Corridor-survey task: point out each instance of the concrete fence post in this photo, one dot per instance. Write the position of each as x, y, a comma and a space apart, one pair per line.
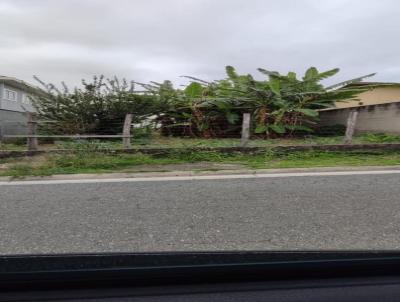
1, 132
126, 132
351, 125
32, 142
245, 130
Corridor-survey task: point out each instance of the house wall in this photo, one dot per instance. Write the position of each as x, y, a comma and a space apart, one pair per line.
372, 118
379, 95
12, 122
13, 119
1, 92
18, 104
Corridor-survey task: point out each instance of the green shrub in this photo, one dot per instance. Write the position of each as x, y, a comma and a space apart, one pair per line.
380, 138
143, 133
18, 141
98, 106
87, 146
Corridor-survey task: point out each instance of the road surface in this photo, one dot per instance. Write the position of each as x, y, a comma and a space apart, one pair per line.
257, 213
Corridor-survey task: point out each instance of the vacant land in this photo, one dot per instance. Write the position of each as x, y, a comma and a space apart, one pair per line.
90, 156
85, 161
156, 141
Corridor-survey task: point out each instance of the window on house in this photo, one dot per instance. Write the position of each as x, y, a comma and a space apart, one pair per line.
10, 95
26, 99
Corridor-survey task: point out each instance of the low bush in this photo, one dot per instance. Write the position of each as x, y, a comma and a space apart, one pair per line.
380, 138
97, 162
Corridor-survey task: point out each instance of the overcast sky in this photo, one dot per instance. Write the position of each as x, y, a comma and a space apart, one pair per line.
147, 40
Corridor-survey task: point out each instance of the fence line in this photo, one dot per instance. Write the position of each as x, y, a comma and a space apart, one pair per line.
126, 140
32, 137
245, 130
67, 136
351, 125
240, 136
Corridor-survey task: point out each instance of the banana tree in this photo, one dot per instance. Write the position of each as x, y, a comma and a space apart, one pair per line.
279, 104
283, 103
182, 112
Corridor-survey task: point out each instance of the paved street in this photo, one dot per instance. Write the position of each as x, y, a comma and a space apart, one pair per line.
303, 212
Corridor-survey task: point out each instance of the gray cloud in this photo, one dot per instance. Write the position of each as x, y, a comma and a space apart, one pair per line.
155, 40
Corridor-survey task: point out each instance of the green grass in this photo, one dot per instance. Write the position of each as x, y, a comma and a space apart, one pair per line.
332, 159
12, 147
378, 138
175, 142
83, 163
95, 162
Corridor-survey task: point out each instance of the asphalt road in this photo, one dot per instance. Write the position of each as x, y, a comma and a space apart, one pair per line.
309, 212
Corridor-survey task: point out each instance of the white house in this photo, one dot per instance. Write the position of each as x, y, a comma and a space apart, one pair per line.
14, 103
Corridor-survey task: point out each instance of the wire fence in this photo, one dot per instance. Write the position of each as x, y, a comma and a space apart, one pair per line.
29, 132
35, 134
39, 134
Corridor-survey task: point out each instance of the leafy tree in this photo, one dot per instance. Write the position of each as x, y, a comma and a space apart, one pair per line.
279, 104
182, 112
283, 103
98, 107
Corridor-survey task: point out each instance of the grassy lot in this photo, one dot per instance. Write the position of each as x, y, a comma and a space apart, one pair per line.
95, 162
173, 142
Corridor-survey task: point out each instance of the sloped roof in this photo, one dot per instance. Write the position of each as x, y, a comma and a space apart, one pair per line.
21, 84
356, 103
376, 84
